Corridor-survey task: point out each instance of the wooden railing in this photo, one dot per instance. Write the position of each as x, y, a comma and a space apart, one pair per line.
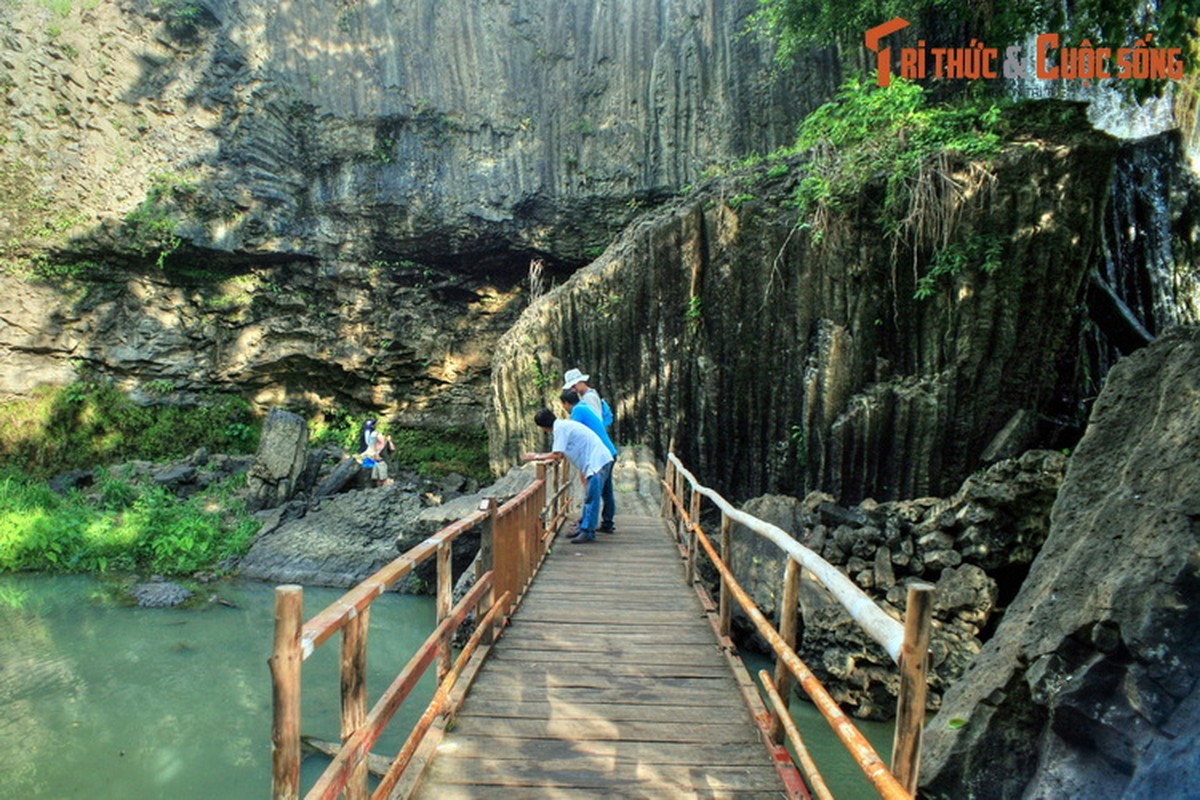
513, 541
907, 644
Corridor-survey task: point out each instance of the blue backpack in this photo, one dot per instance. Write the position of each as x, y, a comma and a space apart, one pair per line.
606, 415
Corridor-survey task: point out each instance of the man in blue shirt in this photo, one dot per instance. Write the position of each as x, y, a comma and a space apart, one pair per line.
583, 448
582, 412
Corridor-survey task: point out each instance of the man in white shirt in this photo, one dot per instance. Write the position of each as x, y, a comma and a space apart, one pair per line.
583, 448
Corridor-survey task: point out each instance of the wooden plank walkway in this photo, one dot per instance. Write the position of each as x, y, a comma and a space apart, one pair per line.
608, 683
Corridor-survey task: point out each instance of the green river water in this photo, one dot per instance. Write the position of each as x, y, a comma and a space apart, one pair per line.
104, 702
107, 702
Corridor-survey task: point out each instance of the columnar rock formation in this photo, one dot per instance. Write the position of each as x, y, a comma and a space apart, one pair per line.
779, 362
352, 129
336, 203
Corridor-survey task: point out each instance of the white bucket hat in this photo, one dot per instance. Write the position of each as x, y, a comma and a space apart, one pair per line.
573, 377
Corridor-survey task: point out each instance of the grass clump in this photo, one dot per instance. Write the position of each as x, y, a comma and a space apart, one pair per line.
120, 526
913, 165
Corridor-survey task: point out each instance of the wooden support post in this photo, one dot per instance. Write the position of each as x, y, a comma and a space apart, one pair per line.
914, 669
724, 609
789, 599
668, 507
544, 510
445, 599
693, 546
354, 694
679, 510
487, 553
285, 662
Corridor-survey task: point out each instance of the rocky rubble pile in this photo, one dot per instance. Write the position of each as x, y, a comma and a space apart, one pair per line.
974, 546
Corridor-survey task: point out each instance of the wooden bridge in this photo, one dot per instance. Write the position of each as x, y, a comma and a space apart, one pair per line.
612, 678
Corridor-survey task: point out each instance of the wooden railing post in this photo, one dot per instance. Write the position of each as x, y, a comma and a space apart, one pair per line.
354, 694
285, 662
445, 600
914, 670
692, 545
789, 598
668, 508
679, 512
487, 554
546, 516
724, 608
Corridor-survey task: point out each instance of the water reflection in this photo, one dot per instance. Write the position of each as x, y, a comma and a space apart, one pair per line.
108, 702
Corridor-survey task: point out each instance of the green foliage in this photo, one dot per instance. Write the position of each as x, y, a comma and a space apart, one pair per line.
738, 200
60, 8
182, 16
982, 252
778, 170
541, 379
440, 452
151, 226
695, 309
91, 422
799, 437
895, 137
338, 428
122, 527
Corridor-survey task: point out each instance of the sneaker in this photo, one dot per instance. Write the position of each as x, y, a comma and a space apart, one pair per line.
583, 538
603, 529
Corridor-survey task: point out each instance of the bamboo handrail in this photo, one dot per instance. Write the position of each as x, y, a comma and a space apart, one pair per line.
354, 749
860, 749
912, 656
887, 632
401, 762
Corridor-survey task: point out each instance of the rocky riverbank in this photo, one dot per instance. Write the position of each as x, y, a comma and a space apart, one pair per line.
974, 546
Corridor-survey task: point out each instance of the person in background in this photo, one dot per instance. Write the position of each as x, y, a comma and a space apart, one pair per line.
366, 437
575, 379
580, 412
373, 457
584, 449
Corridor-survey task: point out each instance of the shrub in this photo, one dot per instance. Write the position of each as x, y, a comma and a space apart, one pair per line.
122, 527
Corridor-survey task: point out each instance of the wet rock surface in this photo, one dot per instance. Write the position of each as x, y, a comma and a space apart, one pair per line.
160, 594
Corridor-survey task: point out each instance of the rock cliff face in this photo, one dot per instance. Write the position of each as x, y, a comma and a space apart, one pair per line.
374, 178
1089, 687
409, 341
354, 129
777, 363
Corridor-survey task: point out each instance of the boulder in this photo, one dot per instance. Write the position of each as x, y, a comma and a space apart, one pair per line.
1089, 686
349, 535
160, 594
280, 460
72, 479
